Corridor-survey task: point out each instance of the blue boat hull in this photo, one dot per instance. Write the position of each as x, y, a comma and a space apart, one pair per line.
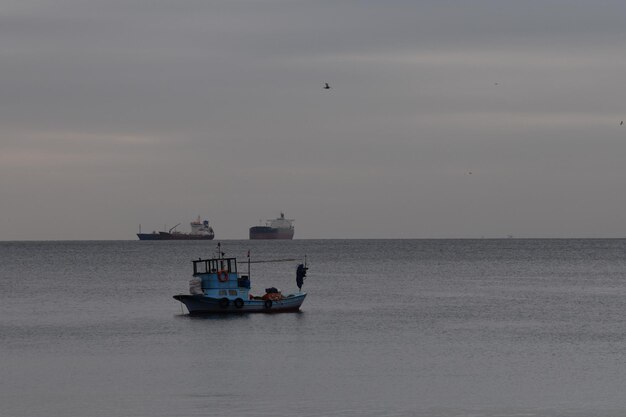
200, 304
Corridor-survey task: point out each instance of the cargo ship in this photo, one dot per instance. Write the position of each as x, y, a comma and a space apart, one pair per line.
200, 230
279, 228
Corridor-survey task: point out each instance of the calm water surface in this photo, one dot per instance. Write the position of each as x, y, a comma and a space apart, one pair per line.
390, 328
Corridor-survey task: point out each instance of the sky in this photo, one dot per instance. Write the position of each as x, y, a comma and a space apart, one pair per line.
446, 118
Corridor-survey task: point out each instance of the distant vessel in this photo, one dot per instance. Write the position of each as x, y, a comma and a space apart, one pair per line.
279, 228
200, 230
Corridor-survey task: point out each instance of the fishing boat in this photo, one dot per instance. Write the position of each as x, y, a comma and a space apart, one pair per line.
217, 287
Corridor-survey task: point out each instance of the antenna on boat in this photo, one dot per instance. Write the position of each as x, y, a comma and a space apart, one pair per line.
220, 254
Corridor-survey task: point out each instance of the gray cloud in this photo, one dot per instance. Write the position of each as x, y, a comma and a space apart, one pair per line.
125, 112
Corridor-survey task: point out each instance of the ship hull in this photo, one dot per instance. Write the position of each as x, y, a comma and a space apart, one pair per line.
265, 232
200, 304
148, 236
172, 236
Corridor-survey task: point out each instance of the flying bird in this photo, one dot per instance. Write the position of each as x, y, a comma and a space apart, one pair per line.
621, 123
326, 87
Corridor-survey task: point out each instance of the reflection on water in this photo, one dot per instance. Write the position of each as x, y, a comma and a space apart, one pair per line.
390, 328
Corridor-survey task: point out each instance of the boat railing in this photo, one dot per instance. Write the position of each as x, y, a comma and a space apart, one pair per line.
212, 266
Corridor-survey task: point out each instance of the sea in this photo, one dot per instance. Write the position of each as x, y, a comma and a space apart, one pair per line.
441, 328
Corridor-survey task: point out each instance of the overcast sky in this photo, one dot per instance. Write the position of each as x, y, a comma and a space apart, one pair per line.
445, 118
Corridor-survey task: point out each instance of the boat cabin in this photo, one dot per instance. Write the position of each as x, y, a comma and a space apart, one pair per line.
219, 278
207, 266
